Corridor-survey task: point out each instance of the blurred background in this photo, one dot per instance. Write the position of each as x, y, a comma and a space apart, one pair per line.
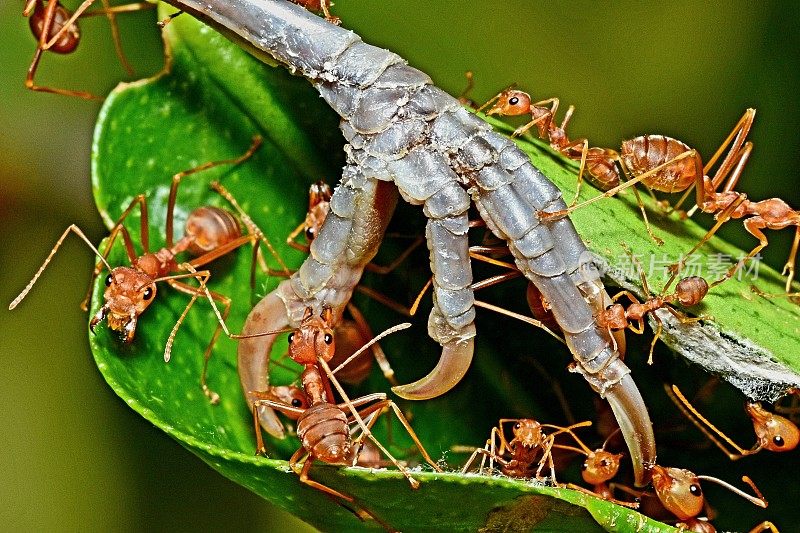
75, 457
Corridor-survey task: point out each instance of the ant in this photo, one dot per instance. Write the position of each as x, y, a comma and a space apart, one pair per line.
210, 233
523, 449
56, 30
353, 332
324, 427
668, 165
597, 162
679, 491
773, 432
689, 291
598, 468
317, 6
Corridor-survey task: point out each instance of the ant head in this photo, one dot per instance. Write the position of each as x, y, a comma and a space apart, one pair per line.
774, 432
68, 41
319, 197
510, 103
690, 291
600, 466
291, 395
313, 338
613, 317
128, 293
527, 432
319, 192
679, 491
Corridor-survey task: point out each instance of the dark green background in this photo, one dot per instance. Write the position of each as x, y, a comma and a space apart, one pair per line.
75, 457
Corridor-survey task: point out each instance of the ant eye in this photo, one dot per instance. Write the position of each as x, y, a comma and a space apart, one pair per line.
604, 462
609, 307
517, 425
291, 337
310, 234
584, 466
296, 402
778, 440
328, 338
513, 100
694, 488
109, 280
148, 293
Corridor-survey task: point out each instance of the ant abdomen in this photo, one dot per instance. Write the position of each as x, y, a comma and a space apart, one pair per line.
646, 152
68, 41
691, 290
323, 430
210, 228
602, 169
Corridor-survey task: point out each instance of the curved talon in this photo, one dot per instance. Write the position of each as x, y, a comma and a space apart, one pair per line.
634, 422
453, 364
253, 356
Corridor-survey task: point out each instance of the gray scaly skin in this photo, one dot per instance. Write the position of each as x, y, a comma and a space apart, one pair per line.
404, 130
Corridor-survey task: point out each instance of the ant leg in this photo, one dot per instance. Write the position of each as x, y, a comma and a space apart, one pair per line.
291, 238
176, 181
765, 526
736, 153
547, 117
485, 453
112, 21
788, 268
656, 336
463, 98
324, 365
31, 84
226, 305
706, 427
754, 226
619, 188
278, 406
722, 217
379, 269
584, 152
523, 318
251, 226
737, 157
377, 352
658, 240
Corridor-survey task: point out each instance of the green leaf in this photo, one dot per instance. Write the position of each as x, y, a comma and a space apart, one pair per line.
207, 108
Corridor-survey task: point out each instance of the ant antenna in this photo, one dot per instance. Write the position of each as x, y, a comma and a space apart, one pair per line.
393, 329
758, 499
72, 228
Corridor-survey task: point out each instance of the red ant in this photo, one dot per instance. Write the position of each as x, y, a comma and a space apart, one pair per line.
351, 333
598, 162
599, 467
324, 427
668, 165
56, 30
516, 457
773, 432
209, 233
689, 291
680, 493
318, 6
